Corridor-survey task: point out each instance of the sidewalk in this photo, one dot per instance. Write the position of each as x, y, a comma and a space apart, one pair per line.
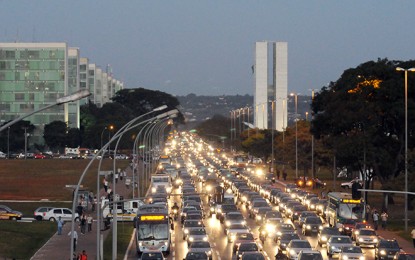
58, 246
406, 245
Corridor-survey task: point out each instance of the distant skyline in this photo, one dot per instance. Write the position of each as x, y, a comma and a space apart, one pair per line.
207, 47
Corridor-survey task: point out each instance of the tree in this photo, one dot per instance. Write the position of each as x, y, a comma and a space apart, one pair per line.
361, 118
55, 134
258, 142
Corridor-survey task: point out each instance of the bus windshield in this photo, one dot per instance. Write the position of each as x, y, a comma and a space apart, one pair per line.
350, 211
151, 231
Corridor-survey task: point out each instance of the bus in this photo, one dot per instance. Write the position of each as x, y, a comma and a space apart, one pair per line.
152, 228
342, 207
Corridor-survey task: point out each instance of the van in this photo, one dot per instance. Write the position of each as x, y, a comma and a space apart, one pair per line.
125, 210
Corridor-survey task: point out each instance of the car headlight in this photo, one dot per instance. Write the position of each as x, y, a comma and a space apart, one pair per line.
361, 258
140, 244
233, 237
209, 252
320, 227
243, 222
208, 188
324, 238
258, 217
308, 227
375, 240
292, 252
227, 223
219, 210
345, 257
153, 189
186, 231
191, 239
174, 211
382, 252
263, 232
360, 239
356, 232
205, 238
270, 228
212, 209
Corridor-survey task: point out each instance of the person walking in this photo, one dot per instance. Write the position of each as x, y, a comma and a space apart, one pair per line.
376, 219
89, 222
384, 218
105, 182
83, 224
60, 225
413, 236
75, 238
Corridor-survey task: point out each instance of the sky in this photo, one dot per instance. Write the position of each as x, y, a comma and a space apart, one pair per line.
207, 47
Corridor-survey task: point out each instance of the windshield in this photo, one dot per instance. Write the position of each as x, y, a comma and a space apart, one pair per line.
340, 240
366, 232
227, 200
352, 249
235, 216
312, 220
350, 211
289, 236
300, 244
389, 244
255, 256
312, 256
153, 231
229, 208
192, 223
196, 256
245, 236
197, 232
151, 256
273, 214
331, 231
248, 247
160, 179
260, 204
200, 244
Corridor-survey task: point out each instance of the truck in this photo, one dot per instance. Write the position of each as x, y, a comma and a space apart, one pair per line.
126, 210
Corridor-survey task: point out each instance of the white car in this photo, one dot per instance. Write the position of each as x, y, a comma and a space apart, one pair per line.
351, 252
235, 228
2, 155
349, 184
64, 213
335, 244
296, 246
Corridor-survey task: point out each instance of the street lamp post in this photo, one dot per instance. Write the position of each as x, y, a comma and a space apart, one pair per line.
272, 135
406, 142
102, 133
296, 133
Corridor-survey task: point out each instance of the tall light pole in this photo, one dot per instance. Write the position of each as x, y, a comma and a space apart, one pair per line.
406, 142
312, 138
102, 133
8, 142
25, 143
110, 128
296, 133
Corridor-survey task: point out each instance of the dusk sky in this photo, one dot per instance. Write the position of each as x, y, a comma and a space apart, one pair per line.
207, 47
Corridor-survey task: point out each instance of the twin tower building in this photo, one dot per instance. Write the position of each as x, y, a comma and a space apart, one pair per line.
270, 95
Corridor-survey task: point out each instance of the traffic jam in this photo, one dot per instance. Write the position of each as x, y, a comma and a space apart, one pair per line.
215, 207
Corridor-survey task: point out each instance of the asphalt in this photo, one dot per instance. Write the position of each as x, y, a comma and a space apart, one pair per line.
405, 245
58, 246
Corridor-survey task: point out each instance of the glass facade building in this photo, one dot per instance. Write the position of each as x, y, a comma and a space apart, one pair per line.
35, 75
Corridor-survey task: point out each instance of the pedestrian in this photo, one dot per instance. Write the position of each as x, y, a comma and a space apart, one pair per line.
83, 224
284, 176
116, 177
60, 225
367, 212
89, 220
413, 236
375, 219
384, 218
83, 256
93, 202
105, 182
75, 238
278, 174
80, 209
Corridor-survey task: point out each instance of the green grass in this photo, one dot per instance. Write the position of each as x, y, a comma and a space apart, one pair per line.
125, 231
21, 240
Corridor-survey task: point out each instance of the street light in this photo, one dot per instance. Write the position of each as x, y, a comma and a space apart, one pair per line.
406, 142
102, 133
70, 98
296, 134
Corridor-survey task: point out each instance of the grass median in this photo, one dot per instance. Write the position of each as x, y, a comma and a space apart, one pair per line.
125, 231
21, 240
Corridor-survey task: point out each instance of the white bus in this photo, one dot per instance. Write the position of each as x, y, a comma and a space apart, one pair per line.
341, 207
152, 226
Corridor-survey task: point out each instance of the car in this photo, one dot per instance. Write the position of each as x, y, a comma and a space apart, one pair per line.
366, 237
198, 234
241, 237
335, 243
252, 256
65, 214
283, 228
189, 225
41, 212
295, 247
234, 218
2, 155
347, 226
152, 255
201, 246
8, 213
311, 225
349, 184
39, 156
196, 256
310, 255
283, 241
325, 234
304, 215
233, 229
386, 249
404, 256
351, 252
358, 226
246, 247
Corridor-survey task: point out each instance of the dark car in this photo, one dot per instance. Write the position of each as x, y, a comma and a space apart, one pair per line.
404, 256
325, 234
196, 256
312, 225
246, 247
284, 240
386, 248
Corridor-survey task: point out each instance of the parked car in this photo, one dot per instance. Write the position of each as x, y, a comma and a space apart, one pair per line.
41, 212
349, 184
64, 213
8, 213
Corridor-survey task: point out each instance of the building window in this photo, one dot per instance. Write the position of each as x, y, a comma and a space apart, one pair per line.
19, 96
